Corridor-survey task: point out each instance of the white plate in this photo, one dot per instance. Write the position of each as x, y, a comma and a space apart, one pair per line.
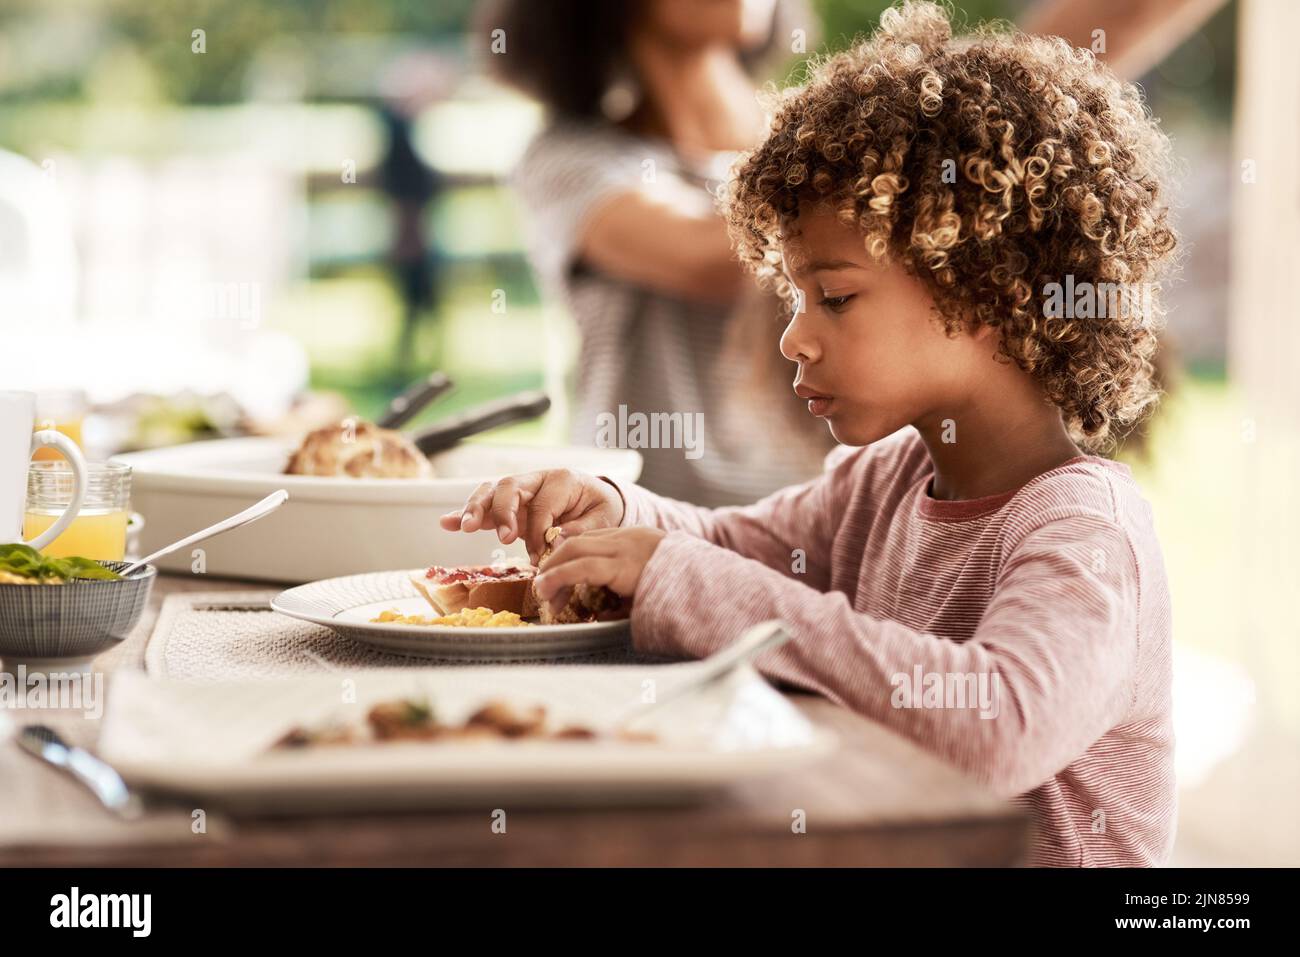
348, 604
212, 741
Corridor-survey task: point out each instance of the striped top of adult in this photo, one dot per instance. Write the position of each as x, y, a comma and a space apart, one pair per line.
644, 352
1051, 597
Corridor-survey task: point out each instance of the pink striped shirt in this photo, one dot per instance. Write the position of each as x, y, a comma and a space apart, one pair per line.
1023, 637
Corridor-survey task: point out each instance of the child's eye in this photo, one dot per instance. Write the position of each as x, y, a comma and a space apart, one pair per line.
836, 303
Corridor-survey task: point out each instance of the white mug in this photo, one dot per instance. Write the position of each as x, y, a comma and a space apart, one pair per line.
17, 446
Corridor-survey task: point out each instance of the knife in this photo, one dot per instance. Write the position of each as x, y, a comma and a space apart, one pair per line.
105, 783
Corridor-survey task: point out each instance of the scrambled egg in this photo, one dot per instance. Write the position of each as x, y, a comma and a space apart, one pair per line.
465, 618
9, 578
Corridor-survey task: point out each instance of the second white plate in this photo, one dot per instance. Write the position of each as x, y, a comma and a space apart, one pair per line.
212, 741
348, 604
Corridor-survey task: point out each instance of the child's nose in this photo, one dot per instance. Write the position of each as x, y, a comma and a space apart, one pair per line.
797, 344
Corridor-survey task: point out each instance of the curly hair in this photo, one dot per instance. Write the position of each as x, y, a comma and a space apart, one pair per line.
991, 167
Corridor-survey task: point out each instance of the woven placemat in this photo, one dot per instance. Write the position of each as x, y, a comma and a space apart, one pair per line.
233, 636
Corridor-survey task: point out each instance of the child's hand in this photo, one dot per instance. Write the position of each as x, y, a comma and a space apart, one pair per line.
525, 506
614, 557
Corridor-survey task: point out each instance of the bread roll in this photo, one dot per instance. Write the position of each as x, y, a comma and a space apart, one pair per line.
358, 449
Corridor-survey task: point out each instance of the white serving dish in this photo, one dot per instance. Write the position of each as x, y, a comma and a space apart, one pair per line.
330, 526
211, 741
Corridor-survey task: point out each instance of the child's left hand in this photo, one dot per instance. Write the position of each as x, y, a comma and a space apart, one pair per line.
614, 557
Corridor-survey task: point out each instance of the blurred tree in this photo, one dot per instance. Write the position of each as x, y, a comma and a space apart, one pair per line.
1205, 60
843, 20
233, 30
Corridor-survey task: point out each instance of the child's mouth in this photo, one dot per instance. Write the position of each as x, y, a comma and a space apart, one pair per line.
818, 404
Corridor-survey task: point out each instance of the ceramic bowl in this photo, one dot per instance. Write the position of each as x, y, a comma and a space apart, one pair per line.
62, 627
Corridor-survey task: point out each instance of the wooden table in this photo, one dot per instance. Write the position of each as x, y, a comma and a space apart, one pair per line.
878, 801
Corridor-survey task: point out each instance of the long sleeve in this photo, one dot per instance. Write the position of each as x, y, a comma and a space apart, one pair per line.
1056, 646
789, 531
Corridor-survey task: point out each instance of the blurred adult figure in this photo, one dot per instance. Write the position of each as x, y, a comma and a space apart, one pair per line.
411, 186
1137, 34
648, 102
404, 88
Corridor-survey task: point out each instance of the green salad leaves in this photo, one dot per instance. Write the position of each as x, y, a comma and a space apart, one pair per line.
27, 562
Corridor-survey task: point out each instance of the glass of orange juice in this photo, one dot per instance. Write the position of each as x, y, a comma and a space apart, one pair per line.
61, 410
99, 530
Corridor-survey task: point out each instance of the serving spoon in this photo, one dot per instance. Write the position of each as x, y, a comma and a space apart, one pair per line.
414, 400
251, 514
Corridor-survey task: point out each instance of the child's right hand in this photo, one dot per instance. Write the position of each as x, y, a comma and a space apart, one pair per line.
525, 506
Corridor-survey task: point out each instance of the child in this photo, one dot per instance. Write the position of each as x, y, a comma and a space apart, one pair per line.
971, 574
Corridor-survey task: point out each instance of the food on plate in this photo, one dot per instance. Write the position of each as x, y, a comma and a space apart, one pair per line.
495, 587
407, 718
24, 565
585, 602
465, 618
358, 449
147, 421
299, 737
410, 719
507, 588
